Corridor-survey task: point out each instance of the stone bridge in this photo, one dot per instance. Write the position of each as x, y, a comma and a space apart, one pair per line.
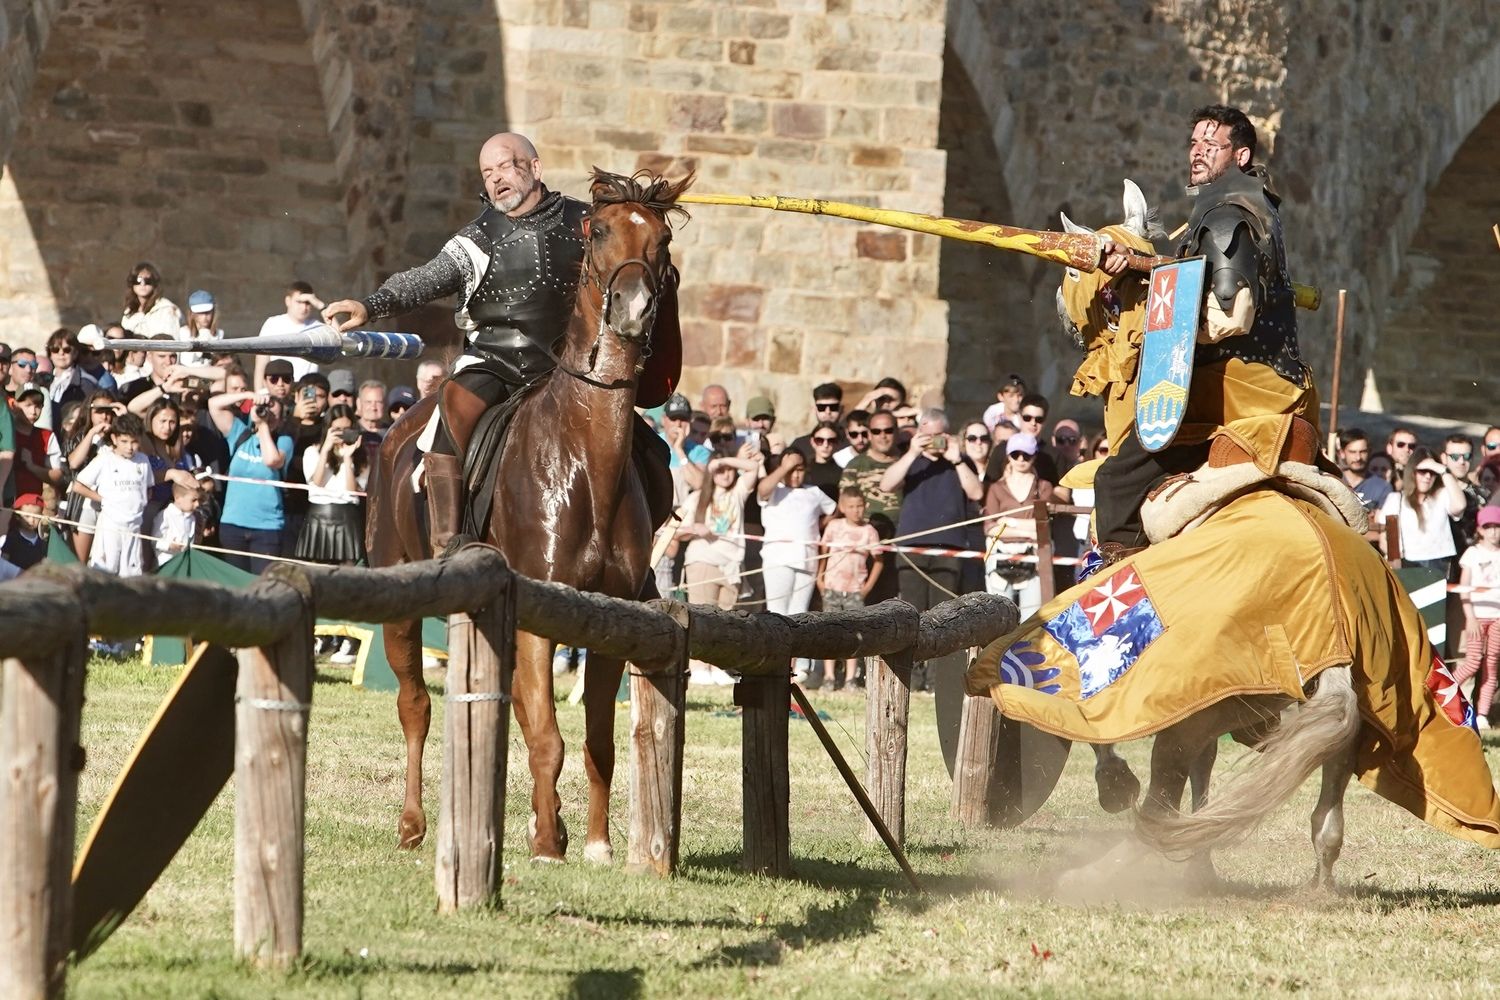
241, 145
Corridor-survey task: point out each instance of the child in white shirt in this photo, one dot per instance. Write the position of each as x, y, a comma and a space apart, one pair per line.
119, 478
1481, 573
176, 525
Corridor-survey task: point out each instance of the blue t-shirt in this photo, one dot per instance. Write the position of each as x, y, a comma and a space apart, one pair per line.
1372, 491
247, 505
698, 454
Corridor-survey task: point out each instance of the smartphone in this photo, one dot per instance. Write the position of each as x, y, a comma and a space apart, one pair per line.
197, 383
309, 393
349, 435
938, 443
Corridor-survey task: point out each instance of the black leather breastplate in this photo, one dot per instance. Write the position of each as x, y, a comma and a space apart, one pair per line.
1272, 339
522, 304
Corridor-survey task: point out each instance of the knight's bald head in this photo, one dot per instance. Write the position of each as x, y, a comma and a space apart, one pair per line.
507, 143
512, 173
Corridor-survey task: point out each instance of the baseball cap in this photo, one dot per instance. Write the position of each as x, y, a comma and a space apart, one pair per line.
200, 302
340, 380
760, 406
1022, 442
677, 407
1014, 382
1487, 516
4, 352
279, 366
26, 499
401, 395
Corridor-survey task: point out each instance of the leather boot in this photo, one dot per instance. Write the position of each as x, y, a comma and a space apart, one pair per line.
1113, 552
445, 500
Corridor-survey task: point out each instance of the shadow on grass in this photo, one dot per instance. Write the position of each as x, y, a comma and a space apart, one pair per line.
613, 984
825, 873
1390, 900
841, 921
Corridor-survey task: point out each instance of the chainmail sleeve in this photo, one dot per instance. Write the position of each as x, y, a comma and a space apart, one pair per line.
406, 290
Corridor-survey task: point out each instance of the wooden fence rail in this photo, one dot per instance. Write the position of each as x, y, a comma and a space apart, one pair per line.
50, 612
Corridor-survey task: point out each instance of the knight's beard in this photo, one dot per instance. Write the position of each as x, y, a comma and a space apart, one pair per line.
512, 201
1210, 174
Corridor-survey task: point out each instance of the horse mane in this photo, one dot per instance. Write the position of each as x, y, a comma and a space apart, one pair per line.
644, 187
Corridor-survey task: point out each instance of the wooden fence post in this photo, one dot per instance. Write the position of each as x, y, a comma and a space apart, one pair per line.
41, 701
765, 702
974, 763
887, 708
476, 741
1043, 515
658, 703
273, 695
1393, 541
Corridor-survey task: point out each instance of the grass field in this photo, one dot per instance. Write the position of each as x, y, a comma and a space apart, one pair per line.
1416, 915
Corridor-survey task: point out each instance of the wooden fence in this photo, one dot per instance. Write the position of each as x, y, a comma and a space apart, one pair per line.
50, 613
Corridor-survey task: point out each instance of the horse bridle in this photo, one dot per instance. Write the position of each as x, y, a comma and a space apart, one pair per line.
606, 287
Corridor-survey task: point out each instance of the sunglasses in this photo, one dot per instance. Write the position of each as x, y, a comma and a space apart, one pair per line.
825, 440
828, 406
976, 437
1020, 455
856, 435
278, 379
720, 438
65, 349
1065, 440
1491, 445
1403, 445
24, 364
146, 279
1032, 418
882, 431
1461, 456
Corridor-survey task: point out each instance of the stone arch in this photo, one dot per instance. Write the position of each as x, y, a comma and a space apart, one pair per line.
148, 135
1436, 353
984, 288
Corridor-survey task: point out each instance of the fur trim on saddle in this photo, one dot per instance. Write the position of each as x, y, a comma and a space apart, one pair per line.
1183, 502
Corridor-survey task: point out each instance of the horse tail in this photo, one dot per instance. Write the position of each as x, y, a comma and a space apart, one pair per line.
1322, 726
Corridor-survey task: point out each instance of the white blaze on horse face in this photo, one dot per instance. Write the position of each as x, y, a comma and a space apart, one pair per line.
636, 218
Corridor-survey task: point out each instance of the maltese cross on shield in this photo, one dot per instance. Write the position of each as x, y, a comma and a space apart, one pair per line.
1173, 303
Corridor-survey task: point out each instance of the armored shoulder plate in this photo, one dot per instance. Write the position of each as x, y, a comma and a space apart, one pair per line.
1227, 242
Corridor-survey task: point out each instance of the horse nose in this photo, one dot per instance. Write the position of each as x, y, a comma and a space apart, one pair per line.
631, 304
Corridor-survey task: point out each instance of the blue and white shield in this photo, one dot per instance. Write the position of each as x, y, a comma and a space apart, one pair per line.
1173, 305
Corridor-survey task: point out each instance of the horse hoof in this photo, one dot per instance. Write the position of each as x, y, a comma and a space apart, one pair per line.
410, 832
1118, 786
599, 853
541, 852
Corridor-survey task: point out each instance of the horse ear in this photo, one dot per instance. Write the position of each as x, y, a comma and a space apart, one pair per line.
1136, 209
1069, 226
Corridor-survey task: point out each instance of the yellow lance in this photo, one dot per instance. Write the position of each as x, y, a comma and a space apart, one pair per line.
1076, 250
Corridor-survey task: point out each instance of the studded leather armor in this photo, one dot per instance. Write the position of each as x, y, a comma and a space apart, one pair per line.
1236, 226
518, 278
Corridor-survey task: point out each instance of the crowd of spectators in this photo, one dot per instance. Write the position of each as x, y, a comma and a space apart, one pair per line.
133, 456
769, 520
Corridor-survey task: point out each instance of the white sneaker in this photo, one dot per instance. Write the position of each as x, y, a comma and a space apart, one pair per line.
345, 653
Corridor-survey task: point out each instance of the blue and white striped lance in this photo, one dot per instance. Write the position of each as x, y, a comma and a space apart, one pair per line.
322, 344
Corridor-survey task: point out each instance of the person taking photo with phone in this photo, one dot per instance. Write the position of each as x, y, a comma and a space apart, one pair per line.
337, 472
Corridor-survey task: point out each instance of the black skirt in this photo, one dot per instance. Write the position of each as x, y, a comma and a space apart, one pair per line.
333, 533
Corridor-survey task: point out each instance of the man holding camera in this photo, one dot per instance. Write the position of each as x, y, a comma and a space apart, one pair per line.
937, 483
254, 515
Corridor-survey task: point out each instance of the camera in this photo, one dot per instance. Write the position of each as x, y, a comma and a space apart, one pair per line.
196, 383
349, 435
201, 473
938, 443
264, 410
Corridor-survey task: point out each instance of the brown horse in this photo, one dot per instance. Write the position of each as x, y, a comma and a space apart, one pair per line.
570, 504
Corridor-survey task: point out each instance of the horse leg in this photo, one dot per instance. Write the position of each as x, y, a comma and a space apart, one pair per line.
1328, 817
600, 684
1179, 751
531, 695
1198, 773
1118, 786
403, 648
